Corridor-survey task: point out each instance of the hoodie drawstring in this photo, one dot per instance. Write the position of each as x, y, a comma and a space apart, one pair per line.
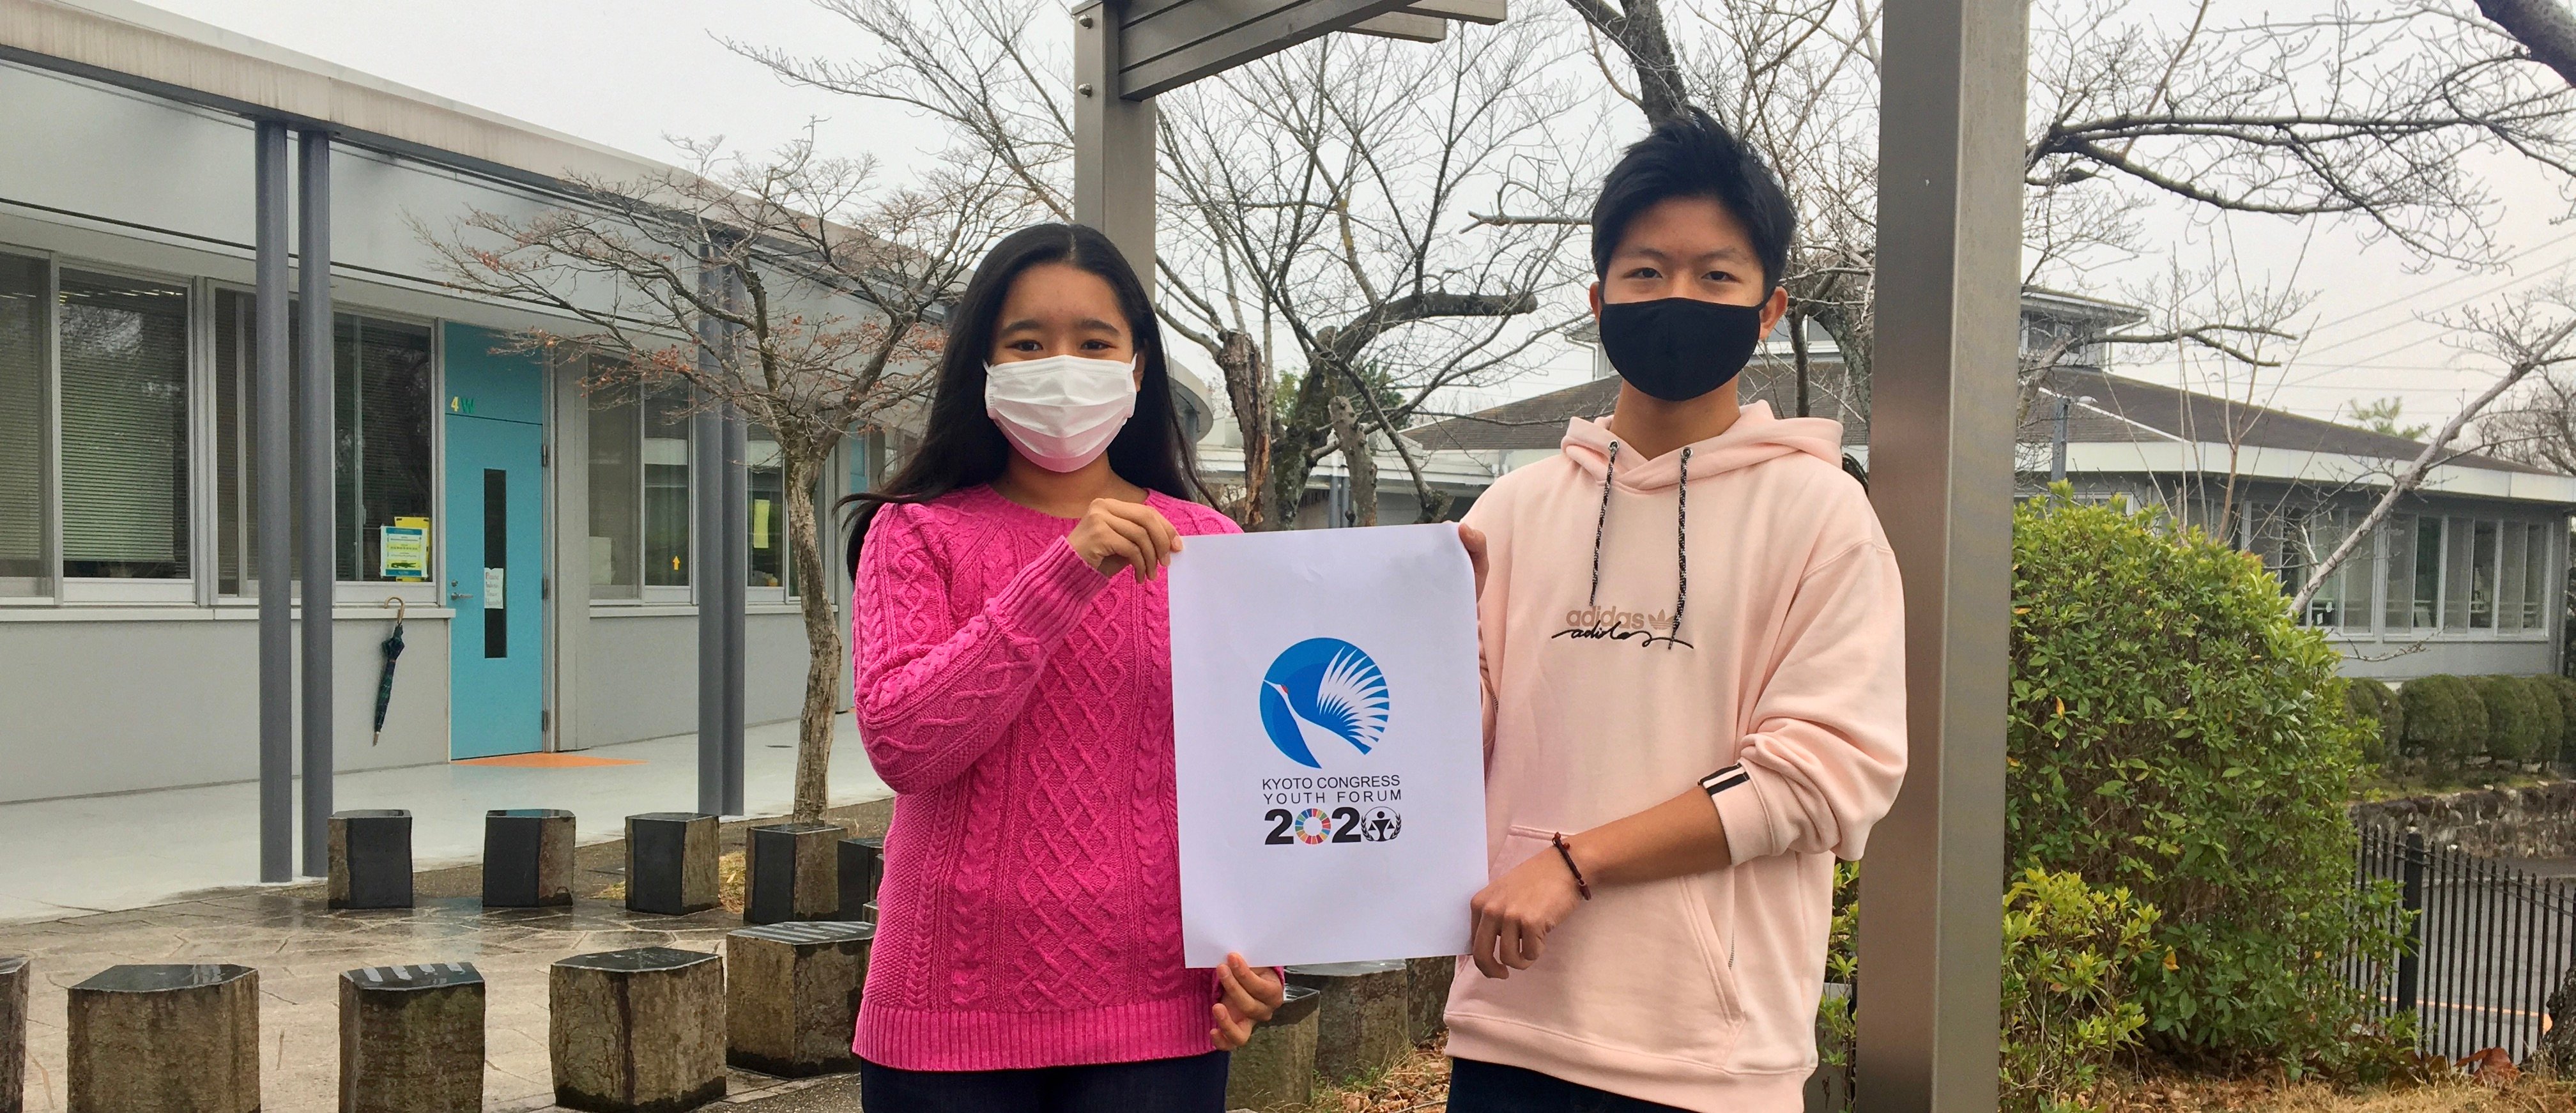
1681, 538
1681, 547
1607, 473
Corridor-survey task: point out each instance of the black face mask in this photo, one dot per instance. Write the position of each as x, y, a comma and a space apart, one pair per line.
1677, 349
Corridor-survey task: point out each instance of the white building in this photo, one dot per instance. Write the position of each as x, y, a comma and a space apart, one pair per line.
128, 577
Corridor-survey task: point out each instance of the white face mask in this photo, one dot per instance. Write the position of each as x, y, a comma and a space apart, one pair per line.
1061, 411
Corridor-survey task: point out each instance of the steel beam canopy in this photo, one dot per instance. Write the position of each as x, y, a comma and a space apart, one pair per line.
1165, 44
1949, 256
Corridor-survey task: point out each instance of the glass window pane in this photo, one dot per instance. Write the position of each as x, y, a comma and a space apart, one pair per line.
384, 458
767, 505
2482, 563
2509, 580
2538, 600
125, 427
666, 487
23, 417
2398, 611
2428, 573
2360, 571
616, 491
2456, 574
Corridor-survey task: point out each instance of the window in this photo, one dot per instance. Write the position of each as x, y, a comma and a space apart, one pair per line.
2536, 594
2509, 580
381, 373
766, 502
24, 409
2482, 575
124, 427
639, 488
666, 487
616, 492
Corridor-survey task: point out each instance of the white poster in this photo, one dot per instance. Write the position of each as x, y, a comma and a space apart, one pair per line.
1330, 745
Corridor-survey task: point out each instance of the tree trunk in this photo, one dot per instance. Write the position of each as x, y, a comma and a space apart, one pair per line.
1247, 385
2543, 27
1798, 354
1292, 454
824, 662
1356, 459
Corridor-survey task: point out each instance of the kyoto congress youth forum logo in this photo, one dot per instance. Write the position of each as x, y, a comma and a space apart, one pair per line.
1320, 696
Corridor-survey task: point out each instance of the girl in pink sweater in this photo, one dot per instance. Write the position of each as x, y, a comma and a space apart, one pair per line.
1013, 684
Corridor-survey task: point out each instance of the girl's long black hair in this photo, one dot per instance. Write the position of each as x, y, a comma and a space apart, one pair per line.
961, 447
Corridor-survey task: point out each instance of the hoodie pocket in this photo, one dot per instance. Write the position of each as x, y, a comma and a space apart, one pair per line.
1639, 967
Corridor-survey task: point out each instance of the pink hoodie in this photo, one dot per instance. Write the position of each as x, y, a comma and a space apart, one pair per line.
1741, 631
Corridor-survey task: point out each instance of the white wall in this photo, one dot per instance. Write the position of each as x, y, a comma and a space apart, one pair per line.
112, 706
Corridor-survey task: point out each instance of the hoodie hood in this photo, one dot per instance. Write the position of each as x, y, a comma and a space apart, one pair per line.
1755, 437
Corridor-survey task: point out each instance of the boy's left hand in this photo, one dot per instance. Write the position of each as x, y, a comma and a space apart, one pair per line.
1248, 997
1515, 913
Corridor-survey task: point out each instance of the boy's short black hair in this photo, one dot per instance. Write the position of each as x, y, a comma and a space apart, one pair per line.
1695, 157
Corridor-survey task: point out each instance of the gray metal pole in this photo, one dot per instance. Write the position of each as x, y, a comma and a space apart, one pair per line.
319, 444
276, 518
737, 579
706, 489
1949, 246
2057, 442
1113, 144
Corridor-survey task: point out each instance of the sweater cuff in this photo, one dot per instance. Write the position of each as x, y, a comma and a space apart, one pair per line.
1050, 596
1743, 813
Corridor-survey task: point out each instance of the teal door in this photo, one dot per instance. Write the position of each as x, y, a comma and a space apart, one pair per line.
494, 561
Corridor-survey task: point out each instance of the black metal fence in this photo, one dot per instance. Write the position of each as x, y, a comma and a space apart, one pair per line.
2490, 943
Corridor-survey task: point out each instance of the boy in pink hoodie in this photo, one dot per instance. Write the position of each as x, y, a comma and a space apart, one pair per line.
1693, 655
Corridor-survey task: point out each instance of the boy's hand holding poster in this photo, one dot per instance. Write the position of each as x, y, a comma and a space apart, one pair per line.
1330, 745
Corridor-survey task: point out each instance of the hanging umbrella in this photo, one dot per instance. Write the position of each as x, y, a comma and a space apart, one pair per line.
392, 648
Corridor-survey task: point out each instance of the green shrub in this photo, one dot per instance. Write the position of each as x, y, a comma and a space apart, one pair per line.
2564, 691
2445, 721
2070, 954
2377, 702
2553, 717
2172, 733
2513, 718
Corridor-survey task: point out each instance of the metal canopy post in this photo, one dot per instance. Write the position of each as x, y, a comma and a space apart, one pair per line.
318, 445
1949, 249
706, 489
735, 539
276, 517
1113, 139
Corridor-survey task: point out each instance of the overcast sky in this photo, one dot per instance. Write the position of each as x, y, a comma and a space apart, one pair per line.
630, 72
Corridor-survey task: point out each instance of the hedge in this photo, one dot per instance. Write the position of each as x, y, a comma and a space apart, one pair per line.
2513, 718
2445, 721
2377, 702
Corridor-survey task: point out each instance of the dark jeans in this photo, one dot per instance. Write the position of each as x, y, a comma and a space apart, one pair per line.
1195, 1084
1479, 1087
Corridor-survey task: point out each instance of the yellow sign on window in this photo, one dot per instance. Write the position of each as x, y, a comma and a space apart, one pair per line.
403, 550
760, 523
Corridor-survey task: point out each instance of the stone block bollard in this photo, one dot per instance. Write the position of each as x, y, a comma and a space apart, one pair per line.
671, 862
1277, 1068
527, 858
792, 996
411, 1039
164, 1039
640, 1031
1427, 997
792, 868
862, 870
1362, 1020
371, 859
13, 1033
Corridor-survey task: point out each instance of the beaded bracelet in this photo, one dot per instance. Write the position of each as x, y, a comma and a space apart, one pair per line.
1580, 885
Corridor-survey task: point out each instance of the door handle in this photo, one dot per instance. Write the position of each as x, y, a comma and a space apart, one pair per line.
454, 595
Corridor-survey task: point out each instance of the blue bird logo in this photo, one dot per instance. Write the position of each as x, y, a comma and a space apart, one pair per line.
1320, 694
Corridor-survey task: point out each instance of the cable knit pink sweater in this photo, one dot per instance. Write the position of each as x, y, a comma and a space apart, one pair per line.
1020, 705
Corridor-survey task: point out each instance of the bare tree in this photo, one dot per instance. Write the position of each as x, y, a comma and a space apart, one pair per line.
796, 290
2527, 335
1341, 251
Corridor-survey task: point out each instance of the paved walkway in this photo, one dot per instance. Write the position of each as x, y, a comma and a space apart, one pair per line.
129, 853
108, 853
